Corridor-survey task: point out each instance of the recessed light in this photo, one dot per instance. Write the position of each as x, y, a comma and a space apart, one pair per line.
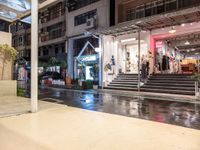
183, 25
173, 30
128, 40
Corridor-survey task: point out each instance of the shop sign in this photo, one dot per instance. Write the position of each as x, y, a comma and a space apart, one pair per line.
88, 58
159, 44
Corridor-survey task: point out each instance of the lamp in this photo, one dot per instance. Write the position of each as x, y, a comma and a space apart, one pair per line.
128, 40
187, 43
173, 30
97, 49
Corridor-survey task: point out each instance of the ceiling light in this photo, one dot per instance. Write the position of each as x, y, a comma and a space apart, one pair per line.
173, 30
187, 43
183, 25
196, 53
97, 49
128, 40
188, 51
193, 49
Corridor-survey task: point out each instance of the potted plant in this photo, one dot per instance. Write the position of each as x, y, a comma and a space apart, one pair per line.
95, 70
7, 54
197, 79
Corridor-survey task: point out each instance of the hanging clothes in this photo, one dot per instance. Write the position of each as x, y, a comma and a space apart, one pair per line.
165, 63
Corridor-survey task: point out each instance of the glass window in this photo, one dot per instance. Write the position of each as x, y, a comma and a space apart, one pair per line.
81, 19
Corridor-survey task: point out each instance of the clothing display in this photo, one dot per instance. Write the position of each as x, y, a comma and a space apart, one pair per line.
165, 63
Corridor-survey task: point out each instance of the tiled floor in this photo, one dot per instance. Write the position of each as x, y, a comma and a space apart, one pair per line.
12, 105
65, 128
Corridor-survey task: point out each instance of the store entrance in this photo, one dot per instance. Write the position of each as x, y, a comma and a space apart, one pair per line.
178, 55
131, 57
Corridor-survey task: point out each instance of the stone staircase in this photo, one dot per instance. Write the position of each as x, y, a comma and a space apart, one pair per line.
124, 82
170, 83
158, 83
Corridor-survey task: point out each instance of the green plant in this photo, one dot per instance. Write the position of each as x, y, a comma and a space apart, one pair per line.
196, 76
63, 64
88, 84
8, 53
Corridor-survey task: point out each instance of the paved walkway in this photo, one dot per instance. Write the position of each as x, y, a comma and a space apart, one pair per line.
60, 127
12, 105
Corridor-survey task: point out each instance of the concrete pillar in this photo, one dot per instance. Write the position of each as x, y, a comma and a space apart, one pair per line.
34, 56
101, 61
70, 58
139, 64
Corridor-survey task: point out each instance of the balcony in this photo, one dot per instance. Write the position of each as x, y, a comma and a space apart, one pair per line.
51, 22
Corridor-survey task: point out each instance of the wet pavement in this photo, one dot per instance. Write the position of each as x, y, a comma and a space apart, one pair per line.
164, 110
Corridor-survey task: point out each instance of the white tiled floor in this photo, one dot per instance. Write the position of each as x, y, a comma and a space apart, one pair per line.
64, 128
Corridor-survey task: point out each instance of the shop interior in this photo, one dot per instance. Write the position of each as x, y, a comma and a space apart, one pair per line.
178, 54
86, 59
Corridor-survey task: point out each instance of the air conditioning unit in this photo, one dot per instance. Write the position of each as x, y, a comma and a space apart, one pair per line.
91, 23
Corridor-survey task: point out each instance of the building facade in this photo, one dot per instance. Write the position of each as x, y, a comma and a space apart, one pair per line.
52, 33
85, 17
146, 21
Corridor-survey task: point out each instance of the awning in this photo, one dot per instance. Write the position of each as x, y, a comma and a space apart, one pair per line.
11, 10
154, 22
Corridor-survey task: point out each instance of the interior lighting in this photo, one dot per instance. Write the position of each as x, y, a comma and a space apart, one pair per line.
193, 50
97, 49
183, 25
173, 30
128, 40
187, 43
188, 51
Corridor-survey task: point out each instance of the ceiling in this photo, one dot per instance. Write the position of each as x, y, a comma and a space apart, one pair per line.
11, 10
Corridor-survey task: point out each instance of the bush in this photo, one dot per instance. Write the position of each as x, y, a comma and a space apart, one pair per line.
88, 84
21, 92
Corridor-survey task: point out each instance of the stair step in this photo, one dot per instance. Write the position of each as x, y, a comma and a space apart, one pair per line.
121, 88
169, 85
123, 85
168, 91
170, 88
183, 79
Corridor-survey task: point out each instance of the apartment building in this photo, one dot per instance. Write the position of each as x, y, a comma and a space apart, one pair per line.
84, 17
21, 38
127, 10
52, 33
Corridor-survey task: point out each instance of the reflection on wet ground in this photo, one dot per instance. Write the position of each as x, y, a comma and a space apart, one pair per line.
177, 113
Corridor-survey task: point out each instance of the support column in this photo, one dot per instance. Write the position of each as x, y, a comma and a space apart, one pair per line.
34, 56
101, 62
70, 58
139, 64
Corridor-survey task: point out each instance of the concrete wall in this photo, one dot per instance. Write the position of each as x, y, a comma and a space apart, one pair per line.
8, 88
102, 7
6, 38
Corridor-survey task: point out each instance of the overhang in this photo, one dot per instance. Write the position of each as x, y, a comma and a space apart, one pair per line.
154, 22
11, 10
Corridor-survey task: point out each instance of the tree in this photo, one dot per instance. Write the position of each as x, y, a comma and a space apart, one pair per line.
7, 53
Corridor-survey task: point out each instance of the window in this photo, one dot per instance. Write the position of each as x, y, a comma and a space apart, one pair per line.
170, 5
56, 50
81, 19
74, 5
20, 41
140, 12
